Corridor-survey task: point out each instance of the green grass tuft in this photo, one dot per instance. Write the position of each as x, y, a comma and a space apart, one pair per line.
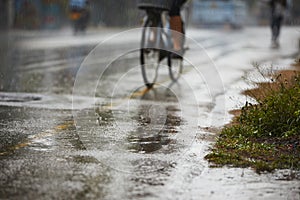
267, 134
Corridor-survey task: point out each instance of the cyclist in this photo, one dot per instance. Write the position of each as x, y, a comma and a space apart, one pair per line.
277, 12
79, 14
176, 24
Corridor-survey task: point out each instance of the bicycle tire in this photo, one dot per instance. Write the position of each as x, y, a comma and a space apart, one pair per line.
176, 64
150, 52
175, 68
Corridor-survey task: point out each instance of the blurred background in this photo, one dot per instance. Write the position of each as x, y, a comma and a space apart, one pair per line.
27, 19
54, 14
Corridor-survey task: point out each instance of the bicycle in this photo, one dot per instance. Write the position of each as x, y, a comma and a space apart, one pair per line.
156, 42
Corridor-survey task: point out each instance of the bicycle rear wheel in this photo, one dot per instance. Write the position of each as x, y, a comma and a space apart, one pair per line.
176, 64
150, 51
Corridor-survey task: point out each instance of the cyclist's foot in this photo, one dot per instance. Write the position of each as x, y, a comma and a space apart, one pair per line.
177, 54
162, 54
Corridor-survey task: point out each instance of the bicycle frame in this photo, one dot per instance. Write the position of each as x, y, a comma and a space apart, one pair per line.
159, 20
156, 45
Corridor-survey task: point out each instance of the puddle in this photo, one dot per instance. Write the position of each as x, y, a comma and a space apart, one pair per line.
155, 130
147, 143
104, 117
43, 144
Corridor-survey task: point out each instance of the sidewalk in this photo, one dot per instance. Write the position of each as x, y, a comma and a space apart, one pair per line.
65, 31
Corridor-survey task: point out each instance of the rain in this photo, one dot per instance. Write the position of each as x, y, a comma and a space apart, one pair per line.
79, 120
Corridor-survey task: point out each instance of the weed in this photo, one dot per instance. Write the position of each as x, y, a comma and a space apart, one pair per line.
265, 135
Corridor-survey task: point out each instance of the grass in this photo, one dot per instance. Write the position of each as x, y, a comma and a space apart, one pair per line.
266, 135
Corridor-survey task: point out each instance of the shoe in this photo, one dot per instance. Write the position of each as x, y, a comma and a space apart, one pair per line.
177, 54
163, 54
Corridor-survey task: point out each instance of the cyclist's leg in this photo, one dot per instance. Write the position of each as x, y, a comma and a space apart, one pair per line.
273, 30
275, 26
279, 22
176, 24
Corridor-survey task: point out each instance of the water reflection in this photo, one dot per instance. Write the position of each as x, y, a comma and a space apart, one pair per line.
42, 70
156, 124
6, 58
104, 116
160, 94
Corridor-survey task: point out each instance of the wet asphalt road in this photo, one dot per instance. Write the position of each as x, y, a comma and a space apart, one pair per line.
121, 141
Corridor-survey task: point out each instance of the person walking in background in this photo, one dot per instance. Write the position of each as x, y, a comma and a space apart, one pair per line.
278, 8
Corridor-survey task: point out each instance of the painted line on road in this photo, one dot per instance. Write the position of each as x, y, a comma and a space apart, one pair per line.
48, 133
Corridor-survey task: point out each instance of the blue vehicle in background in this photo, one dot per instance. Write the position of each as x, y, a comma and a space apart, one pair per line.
219, 12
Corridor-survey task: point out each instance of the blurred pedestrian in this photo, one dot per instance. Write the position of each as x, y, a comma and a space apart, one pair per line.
278, 8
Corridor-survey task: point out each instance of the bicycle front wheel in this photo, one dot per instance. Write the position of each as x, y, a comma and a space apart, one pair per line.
175, 67
150, 52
